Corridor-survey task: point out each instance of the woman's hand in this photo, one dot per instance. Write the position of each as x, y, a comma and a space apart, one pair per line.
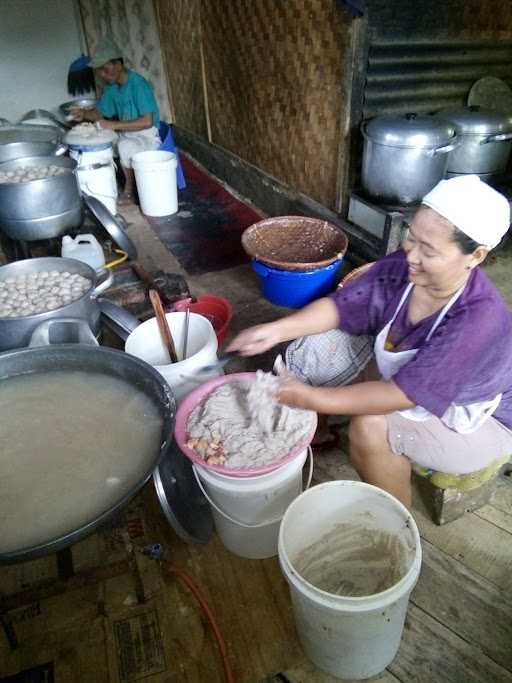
105, 124
293, 392
256, 339
78, 114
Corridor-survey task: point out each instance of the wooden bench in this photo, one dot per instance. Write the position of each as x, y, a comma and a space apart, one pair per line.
449, 496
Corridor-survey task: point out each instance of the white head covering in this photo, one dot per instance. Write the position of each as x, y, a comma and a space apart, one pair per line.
473, 207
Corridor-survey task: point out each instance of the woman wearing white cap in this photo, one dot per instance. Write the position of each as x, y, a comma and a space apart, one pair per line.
441, 336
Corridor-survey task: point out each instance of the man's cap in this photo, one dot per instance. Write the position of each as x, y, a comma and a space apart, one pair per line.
105, 52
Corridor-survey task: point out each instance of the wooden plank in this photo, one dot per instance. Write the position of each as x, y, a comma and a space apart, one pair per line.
309, 674
466, 603
431, 652
495, 516
478, 544
502, 499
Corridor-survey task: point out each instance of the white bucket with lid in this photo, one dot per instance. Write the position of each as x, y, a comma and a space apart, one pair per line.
347, 637
146, 343
247, 511
155, 175
96, 172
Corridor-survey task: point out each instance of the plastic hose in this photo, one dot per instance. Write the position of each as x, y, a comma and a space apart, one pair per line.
117, 261
191, 585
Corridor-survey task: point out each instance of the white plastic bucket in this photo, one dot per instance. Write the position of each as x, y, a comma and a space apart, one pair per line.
96, 173
145, 342
347, 637
247, 511
155, 175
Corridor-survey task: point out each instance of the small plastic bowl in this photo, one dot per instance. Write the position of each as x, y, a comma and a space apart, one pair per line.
215, 308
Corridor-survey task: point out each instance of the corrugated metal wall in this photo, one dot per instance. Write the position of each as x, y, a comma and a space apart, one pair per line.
424, 55
428, 76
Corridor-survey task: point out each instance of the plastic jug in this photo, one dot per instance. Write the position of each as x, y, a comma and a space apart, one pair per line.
84, 248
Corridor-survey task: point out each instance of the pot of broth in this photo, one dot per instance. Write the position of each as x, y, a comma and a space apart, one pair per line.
83, 428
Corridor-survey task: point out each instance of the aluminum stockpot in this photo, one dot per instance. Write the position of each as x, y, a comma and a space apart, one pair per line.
29, 133
18, 150
40, 209
485, 140
404, 156
16, 332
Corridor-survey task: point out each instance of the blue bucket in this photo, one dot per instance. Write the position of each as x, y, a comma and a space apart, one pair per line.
293, 288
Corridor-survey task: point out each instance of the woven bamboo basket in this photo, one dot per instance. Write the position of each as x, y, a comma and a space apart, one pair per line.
295, 242
354, 274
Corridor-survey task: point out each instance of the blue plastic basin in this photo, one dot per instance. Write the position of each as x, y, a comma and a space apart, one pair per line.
294, 288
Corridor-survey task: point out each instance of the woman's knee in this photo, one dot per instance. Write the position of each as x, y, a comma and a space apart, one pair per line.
366, 431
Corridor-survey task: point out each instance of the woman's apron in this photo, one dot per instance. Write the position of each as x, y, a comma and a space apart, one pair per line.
462, 419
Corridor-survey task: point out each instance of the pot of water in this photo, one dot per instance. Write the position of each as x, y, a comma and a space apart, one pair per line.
83, 427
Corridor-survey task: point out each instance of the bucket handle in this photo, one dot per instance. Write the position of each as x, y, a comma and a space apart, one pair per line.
99, 194
260, 524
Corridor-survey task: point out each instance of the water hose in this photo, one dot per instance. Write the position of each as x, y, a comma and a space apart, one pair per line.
123, 257
191, 585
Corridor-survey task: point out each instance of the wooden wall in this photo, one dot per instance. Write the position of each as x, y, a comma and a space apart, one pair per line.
281, 83
275, 78
180, 40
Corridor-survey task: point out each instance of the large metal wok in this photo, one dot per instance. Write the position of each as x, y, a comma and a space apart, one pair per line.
86, 355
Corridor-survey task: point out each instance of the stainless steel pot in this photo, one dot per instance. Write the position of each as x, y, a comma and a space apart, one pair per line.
29, 133
40, 209
486, 140
16, 332
17, 150
404, 156
86, 356
42, 117
80, 103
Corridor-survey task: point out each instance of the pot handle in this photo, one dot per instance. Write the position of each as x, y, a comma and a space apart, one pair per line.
497, 137
41, 334
362, 128
104, 284
61, 149
456, 141
118, 319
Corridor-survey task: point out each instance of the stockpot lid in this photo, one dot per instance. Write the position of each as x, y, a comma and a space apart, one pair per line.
181, 499
111, 224
409, 130
477, 121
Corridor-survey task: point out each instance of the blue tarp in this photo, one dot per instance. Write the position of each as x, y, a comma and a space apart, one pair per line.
168, 145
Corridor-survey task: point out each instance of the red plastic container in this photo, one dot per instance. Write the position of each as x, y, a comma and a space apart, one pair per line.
217, 309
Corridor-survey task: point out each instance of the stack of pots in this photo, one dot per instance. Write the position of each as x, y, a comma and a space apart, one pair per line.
405, 156
485, 141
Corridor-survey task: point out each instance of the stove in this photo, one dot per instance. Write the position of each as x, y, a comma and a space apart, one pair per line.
384, 225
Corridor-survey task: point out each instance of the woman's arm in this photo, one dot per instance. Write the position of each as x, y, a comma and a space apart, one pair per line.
320, 316
141, 123
365, 398
80, 115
